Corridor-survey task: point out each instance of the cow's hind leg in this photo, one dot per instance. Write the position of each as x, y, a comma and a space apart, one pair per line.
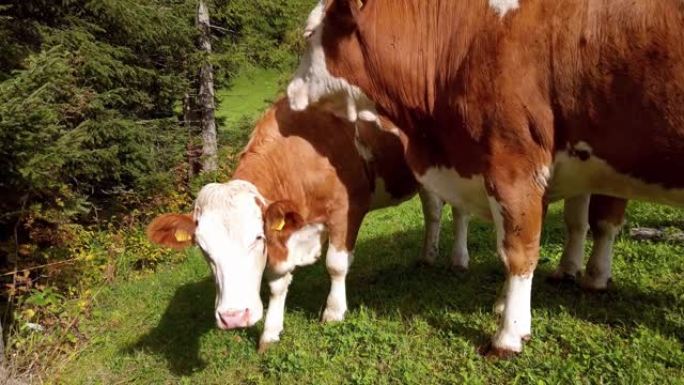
459, 251
432, 213
606, 215
575, 213
275, 315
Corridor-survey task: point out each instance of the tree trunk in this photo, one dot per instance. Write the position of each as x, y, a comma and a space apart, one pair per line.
2, 346
206, 93
193, 150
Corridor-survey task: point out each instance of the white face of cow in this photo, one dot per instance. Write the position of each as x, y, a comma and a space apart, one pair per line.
230, 232
313, 83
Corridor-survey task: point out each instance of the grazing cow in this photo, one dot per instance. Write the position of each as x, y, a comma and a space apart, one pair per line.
299, 182
505, 105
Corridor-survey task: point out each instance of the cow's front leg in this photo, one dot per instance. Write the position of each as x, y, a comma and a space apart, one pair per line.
459, 251
432, 214
517, 214
575, 212
337, 262
275, 315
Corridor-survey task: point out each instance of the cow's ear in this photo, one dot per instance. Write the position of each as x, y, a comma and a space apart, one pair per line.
172, 230
282, 217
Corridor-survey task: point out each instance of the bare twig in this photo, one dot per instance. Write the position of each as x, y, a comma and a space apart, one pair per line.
650, 234
221, 28
15, 272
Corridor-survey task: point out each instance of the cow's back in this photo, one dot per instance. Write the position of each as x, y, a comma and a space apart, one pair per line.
312, 157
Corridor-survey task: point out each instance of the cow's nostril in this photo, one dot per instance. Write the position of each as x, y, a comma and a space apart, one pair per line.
232, 319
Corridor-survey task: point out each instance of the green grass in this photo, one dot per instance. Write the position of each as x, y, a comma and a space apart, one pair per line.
405, 325
251, 92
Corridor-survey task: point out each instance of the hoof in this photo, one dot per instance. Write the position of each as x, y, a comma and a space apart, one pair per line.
458, 269
424, 263
562, 277
332, 316
489, 351
592, 286
263, 346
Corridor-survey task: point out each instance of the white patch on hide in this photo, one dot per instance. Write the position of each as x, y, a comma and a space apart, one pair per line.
542, 176
304, 245
368, 116
337, 263
573, 176
361, 147
312, 80
469, 194
314, 20
229, 222
503, 6
516, 322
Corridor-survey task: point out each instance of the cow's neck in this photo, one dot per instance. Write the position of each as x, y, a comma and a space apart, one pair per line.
443, 83
413, 70
269, 176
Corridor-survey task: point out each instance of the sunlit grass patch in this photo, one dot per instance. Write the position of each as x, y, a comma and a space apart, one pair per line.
405, 324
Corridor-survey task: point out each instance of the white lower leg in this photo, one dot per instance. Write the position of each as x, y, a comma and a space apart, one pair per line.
275, 315
432, 213
577, 223
337, 262
516, 322
459, 252
598, 271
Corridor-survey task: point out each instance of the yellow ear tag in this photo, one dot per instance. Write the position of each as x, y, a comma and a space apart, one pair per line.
279, 225
182, 236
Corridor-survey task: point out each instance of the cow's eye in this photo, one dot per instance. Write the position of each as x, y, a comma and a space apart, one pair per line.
260, 240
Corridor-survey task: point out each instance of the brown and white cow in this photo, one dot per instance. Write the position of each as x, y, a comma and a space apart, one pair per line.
289, 163
299, 182
504, 105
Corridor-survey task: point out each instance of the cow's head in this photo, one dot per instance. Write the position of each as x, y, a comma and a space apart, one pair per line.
241, 236
333, 57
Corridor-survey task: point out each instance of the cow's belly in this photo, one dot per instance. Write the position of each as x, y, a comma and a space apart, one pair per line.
381, 197
573, 176
467, 194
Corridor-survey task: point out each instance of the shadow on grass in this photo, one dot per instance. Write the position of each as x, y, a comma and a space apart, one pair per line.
188, 316
385, 279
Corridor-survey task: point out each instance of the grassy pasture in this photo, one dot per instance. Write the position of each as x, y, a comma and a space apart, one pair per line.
406, 325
